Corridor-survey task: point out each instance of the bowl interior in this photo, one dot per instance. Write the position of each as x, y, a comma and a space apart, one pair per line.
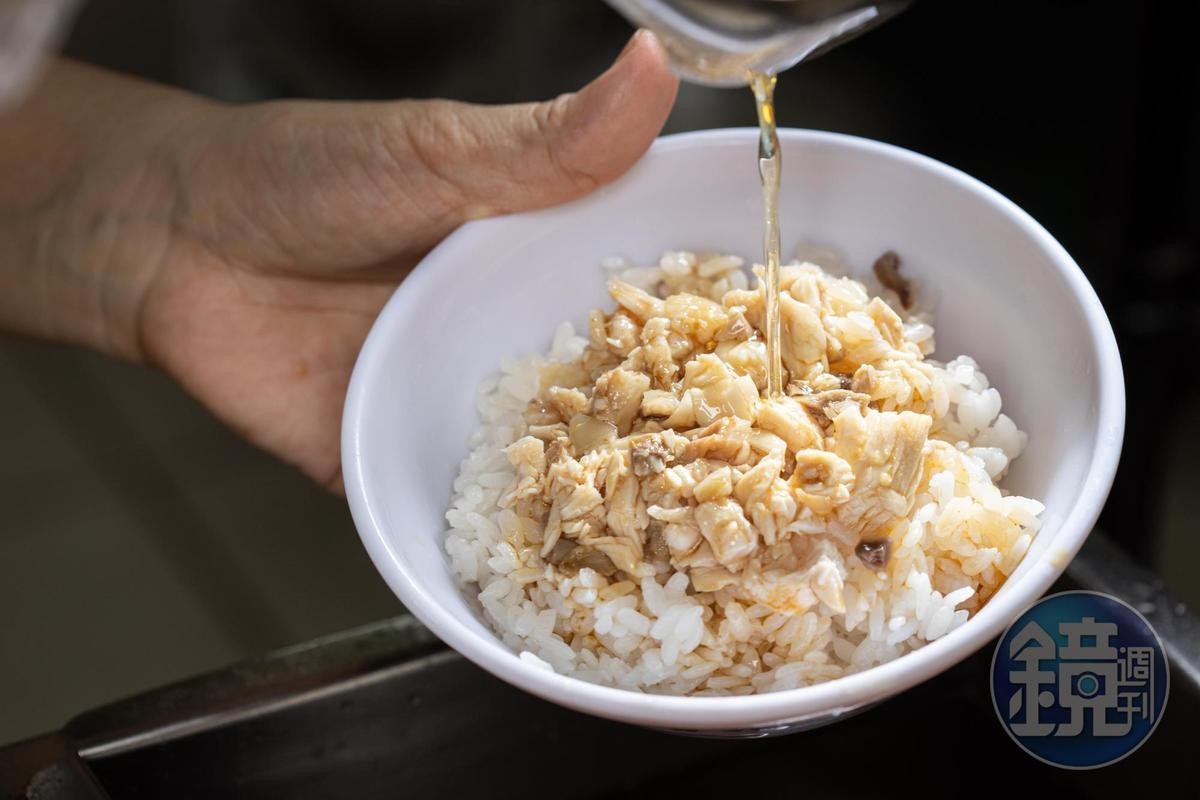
497, 289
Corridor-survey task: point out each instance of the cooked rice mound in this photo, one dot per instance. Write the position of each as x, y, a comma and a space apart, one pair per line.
636, 512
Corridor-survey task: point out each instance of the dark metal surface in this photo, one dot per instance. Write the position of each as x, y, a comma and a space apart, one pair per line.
343, 663
47, 768
1103, 567
385, 710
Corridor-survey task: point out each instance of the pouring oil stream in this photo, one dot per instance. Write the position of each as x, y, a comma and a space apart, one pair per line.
770, 163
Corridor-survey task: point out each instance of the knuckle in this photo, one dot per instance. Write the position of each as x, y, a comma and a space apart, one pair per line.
550, 123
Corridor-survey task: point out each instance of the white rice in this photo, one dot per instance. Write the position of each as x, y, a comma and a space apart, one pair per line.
964, 538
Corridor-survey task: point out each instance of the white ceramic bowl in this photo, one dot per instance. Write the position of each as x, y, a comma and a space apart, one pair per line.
1010, 296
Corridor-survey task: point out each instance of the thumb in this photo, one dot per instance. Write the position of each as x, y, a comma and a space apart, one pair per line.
499, 159
376, 185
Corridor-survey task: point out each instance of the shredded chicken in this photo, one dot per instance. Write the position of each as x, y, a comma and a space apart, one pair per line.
884, 449
656, 451
618, 397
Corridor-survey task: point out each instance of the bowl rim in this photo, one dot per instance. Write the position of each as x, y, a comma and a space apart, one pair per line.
824, 699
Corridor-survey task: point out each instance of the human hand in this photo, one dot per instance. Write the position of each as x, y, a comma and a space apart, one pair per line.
247, 250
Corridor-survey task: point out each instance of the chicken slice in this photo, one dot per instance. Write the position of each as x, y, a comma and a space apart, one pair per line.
884, 449
787, 418
890, 326
766, 497
588, 433
618, 397
623, 552
624, 334
794, 592
539, 412
737, 329
821, 480
824, 406
657, 353
626, 518
681, 539
528, 456
715, 486
803, 336
659, 403
748, 302
727, 439
566, 401
726, 529
711, 579
640, 305
745, 358
698, 318
570, 557
683, 416
724, 393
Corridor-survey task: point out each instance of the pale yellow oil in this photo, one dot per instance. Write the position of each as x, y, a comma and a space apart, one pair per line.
769, 168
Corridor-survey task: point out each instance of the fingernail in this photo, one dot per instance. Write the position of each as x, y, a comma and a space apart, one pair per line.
633, 40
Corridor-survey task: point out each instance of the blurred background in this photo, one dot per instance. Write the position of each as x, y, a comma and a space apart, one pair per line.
141, 542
